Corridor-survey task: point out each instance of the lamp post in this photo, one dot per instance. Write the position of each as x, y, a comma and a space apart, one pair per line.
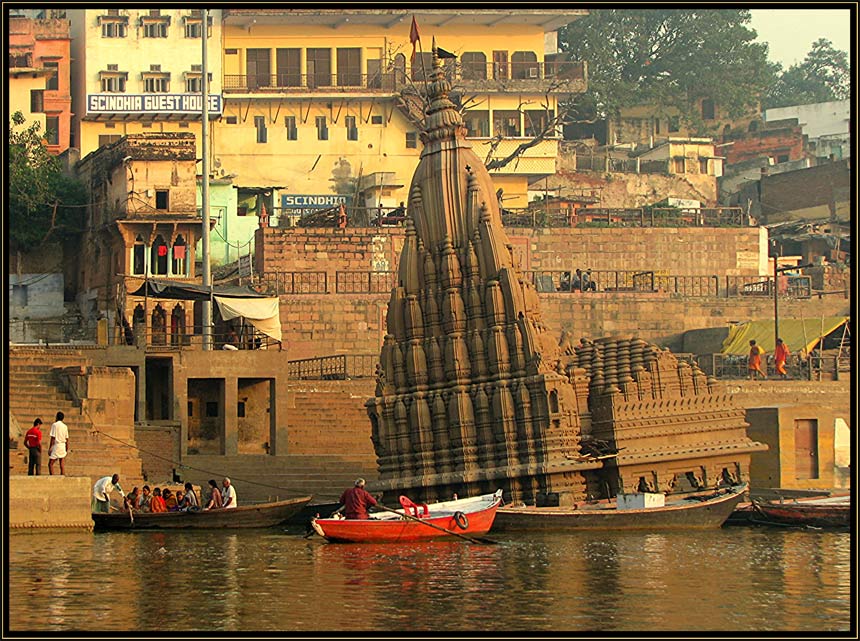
204, 147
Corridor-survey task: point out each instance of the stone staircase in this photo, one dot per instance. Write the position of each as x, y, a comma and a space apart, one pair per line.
36, 390
280, 477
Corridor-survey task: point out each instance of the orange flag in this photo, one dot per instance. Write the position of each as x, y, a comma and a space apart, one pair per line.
413, 35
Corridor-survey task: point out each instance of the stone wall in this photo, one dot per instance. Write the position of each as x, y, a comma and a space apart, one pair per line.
157, 443
62, 502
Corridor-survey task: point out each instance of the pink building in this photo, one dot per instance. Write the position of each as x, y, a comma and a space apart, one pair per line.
44, 44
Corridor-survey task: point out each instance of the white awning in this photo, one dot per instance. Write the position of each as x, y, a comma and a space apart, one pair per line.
262, 313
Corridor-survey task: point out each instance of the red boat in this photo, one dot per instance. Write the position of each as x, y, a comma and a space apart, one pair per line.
833, 512
415, 522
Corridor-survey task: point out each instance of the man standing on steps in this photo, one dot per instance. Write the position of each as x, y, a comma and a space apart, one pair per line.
33, 441
59, 445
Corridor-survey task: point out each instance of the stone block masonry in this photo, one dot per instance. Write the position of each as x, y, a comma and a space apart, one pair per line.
55, 502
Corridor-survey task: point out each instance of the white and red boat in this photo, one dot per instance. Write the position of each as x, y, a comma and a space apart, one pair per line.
463, 518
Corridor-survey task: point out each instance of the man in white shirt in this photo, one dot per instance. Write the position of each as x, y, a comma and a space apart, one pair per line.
101, 492
229, 495
59, 445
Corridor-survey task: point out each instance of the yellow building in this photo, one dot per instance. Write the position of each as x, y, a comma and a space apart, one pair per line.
323, 106
139, 71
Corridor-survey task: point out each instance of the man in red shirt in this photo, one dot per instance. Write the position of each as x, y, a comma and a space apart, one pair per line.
356, 501
33, 442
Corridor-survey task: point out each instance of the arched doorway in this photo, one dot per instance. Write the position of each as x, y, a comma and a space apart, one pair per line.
177, 326
159, 326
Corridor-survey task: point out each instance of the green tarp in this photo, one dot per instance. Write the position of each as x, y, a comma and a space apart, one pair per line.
799, 335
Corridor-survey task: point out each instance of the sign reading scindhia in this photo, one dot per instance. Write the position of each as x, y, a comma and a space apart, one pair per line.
180, 103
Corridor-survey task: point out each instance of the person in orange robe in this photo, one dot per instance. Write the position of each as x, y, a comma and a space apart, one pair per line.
780, 355
754, 363
157, 502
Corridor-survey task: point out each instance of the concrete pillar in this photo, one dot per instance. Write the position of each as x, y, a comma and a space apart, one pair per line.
230, 396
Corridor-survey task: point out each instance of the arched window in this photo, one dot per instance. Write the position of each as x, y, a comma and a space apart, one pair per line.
177, 325
524, 65
158, 257
179, 265
159, 326
474, 65
139, 316
138, 256
399, 70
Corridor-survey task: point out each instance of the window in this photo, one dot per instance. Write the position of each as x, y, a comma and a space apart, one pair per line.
211, 409
708, 109
155, 29
351, 129
678, 165
113, 81
260, 124
412, 140
194, 80
477, 124
184, 125
474, 65
242, 210
506, 122
703, 165
537, 121
232, 120
156, 83
322, 128
240, 409
288, 63
524, 65
257, 62
158, 257
20, 61
376, 120
500, 65
193, 29
290, 125
19, 295
180, 257
674, 124
37, 100
52, 130
190, 409
349, 67
657, 126
105, 140
113, 28
53, 82
138, 256
162, 200
782, 158
319, 67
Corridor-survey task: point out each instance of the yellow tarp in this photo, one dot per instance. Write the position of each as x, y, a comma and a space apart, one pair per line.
799, 335
262, 313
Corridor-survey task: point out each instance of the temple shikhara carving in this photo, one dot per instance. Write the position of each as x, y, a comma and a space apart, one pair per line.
474, 392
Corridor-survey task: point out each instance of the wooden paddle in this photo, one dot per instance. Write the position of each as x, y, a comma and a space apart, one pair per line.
436, 527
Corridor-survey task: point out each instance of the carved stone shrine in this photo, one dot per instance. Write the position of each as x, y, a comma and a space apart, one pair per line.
474, 392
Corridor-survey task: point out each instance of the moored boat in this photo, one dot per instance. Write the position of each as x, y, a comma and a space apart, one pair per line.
415, 522
700, 510
259, 515
833, 512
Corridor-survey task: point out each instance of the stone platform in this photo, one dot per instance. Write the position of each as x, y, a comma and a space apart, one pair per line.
54, 502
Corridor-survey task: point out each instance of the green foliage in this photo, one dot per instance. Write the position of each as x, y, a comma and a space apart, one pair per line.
36, 186
669, 58
824, 75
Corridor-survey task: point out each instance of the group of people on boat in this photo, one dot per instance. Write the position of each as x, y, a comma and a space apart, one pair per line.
161, 500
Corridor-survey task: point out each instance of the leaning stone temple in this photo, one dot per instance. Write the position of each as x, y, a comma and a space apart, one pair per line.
474, 392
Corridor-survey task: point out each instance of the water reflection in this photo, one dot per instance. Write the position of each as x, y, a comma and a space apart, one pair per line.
732, 579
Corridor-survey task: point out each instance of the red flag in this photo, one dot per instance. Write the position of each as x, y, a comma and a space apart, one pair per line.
413, 35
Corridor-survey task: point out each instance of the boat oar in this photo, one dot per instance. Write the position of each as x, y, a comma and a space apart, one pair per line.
436, 527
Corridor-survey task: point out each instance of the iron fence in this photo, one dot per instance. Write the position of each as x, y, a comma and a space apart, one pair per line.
364, 282
297, 282
333, 368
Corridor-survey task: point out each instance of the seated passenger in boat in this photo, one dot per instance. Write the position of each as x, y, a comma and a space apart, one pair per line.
189, 501
215, 500
157, 502
169, 499
144, 500
180, 495
356, 501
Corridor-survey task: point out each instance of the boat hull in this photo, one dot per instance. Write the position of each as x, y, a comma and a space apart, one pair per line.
247, 516
826, 516
693, 513
400, 530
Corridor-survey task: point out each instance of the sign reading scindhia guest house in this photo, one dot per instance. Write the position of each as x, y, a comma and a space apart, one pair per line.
151, 103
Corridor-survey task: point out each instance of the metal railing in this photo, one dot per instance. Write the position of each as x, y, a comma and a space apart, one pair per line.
297, 282
814, 367
394, 80
364, 282
333, 368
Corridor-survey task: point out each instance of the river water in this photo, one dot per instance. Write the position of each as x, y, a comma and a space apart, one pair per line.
734, 579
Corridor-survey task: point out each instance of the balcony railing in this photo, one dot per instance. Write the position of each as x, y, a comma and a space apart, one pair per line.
537, 73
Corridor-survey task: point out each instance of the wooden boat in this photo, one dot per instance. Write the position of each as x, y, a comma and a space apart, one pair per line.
832, 512
259, 515
698, 511
466, 517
